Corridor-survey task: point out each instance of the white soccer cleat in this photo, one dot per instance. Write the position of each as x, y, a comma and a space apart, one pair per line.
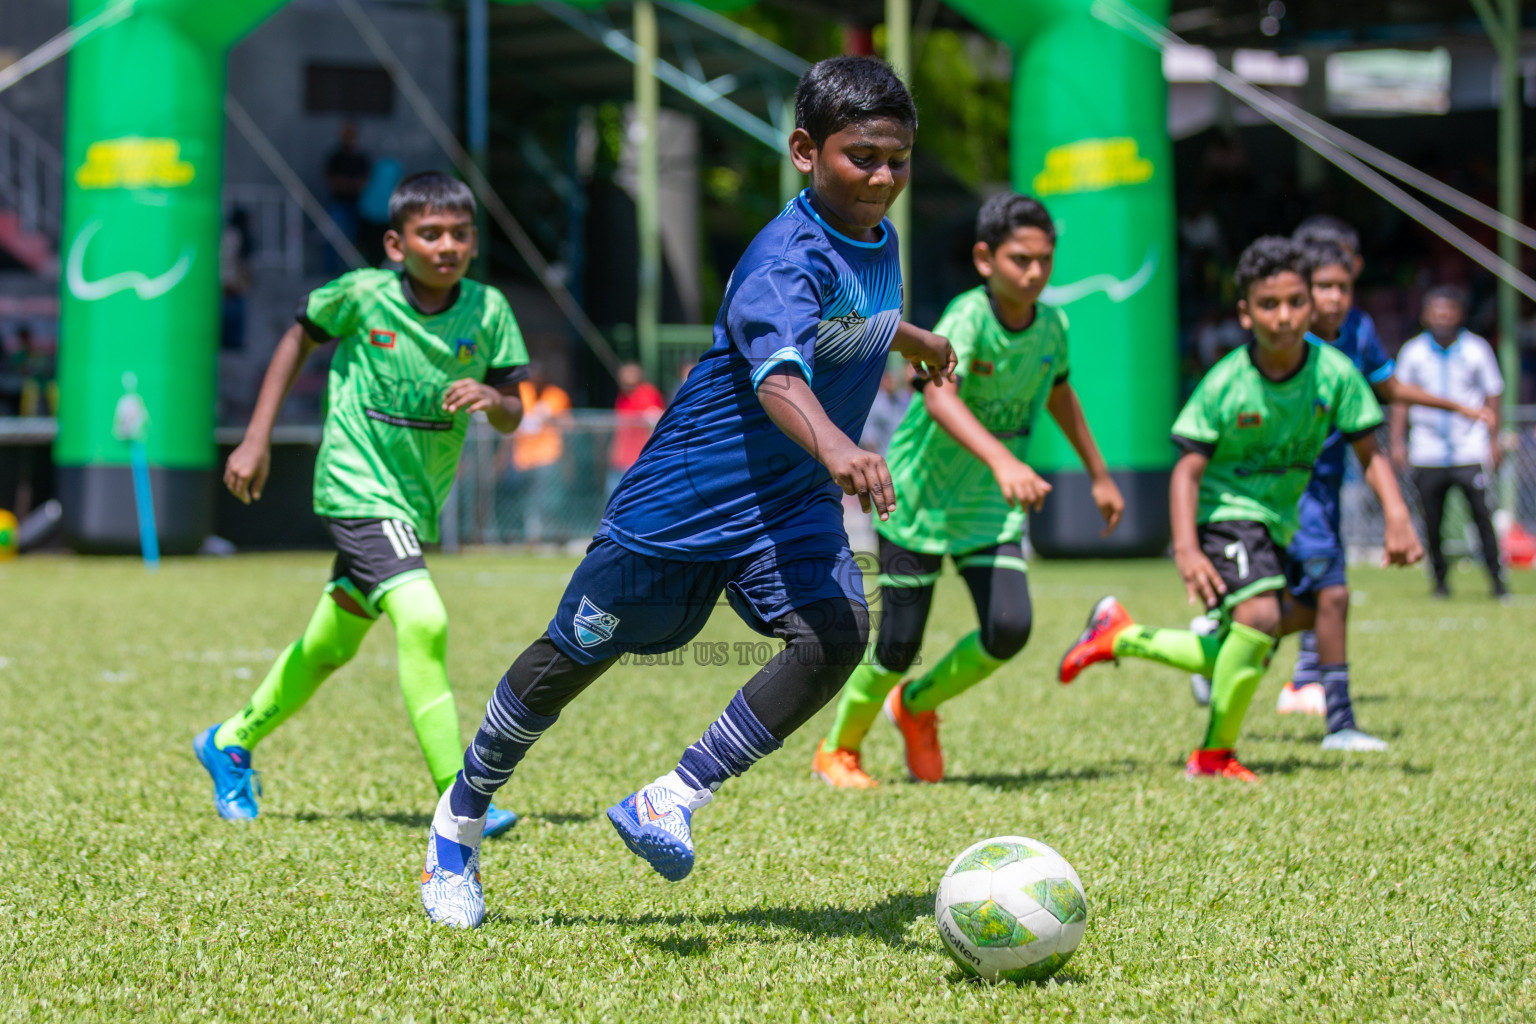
1353, 740
450, 880
1308, 699
1199, 685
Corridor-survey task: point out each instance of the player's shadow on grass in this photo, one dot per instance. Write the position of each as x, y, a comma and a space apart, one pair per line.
1030, 780
887, 921
1353, 763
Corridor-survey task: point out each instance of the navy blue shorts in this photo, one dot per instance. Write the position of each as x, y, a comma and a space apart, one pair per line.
1316, 554
622, 602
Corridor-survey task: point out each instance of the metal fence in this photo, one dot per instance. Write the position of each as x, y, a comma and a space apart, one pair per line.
1515, 481
562, 502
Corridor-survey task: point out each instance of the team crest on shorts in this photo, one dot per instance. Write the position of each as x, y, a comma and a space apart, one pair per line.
593, 625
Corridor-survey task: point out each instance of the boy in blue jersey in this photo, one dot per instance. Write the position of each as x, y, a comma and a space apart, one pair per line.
737, 491
1320, 683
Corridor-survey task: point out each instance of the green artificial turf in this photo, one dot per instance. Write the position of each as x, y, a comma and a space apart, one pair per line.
1391, 887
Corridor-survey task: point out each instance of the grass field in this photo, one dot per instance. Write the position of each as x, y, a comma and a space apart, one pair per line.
1394, 887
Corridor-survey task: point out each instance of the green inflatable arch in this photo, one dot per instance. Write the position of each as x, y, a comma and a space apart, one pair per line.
140, 285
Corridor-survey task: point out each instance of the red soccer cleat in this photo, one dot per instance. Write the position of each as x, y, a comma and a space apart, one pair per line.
1107, 621
920, 734
1222, 764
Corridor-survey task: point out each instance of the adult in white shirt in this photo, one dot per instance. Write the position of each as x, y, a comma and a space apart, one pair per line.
1446, 449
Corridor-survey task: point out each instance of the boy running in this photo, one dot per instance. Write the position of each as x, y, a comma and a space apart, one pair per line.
417, 352
957, 462
732, 493
1320, 682
1251, 433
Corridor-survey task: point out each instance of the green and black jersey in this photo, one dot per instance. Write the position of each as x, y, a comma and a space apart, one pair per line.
389, 450
947, 500
1263, 436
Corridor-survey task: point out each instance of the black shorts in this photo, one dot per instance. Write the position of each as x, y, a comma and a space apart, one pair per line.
373, 557
1246, 558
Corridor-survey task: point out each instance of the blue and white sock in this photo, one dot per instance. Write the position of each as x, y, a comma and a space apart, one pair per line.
1335, 679
734, 743
1306, 671
505, 735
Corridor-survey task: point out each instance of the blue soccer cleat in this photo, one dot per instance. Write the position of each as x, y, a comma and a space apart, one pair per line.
235, 784
656, 826
498, 821
450, 879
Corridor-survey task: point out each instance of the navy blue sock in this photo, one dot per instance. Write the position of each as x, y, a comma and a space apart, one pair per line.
730, 746
1335, 679
1306, 670
505, 735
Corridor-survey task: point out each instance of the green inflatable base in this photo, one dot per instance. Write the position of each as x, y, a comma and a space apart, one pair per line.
1069, 525
100, 516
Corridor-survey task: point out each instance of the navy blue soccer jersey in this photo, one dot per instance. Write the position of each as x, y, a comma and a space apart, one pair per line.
718, 479
1358, 340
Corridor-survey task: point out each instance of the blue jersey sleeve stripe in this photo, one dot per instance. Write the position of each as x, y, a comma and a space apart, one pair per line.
1383, 372
787, 354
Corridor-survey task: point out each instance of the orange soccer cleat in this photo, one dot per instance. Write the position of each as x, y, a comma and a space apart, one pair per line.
1217, 764
920, 733
1097, 642
839, 767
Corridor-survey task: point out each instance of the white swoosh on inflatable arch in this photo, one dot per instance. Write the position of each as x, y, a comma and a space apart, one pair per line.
1116, 289
141, 284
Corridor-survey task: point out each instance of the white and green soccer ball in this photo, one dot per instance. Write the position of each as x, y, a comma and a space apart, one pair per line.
1011, 908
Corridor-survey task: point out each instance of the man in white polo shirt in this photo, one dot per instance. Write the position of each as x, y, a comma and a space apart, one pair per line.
1445, 449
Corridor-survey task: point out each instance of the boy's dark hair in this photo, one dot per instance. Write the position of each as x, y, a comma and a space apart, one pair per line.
1449, 293
1323, 227
428, 190
842, 91
1267, 257
1005, 212
1327, 254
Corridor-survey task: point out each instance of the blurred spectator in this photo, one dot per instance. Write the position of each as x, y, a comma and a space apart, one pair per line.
346, 174
683, 370
27, 387
885, 414
373, 208
530, 488
1447, 450
235, 248
639, 406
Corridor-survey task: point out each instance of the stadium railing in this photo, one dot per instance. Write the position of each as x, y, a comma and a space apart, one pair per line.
559, 502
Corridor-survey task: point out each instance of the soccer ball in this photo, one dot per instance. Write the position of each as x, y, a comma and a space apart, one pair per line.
1011, 908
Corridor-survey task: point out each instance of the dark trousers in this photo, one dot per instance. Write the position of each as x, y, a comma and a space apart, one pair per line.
1434, 485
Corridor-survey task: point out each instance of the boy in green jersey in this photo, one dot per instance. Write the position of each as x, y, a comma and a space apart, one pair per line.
1251, 433
417, 353
957, 461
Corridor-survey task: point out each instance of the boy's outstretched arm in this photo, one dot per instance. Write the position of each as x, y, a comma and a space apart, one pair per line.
1067, 411
502, 406
1020, 484
1400, 543
1201, 580
1394, 390
794, 409
245, 474
930, 353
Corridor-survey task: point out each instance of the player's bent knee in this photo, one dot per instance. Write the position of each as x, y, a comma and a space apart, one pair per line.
1261, 613
1006, 634
896, 657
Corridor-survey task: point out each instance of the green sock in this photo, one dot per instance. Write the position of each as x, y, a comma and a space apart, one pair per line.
329, 642
1177, 647
1239, 667
421, 635
966, 664
860, 703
